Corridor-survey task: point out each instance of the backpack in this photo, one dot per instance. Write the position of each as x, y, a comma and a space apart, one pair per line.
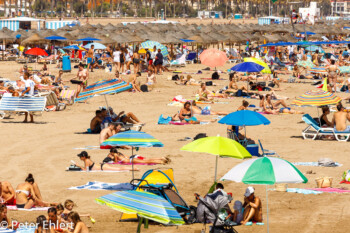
175, 77
144, 88
215, 76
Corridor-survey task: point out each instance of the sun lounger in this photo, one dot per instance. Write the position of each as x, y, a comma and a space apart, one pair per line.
68, 95
28, 104
313, 130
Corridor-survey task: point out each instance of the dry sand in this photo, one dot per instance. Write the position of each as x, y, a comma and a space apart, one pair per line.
46, 148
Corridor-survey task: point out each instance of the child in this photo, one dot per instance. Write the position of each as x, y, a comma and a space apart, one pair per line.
40, 221
68, 207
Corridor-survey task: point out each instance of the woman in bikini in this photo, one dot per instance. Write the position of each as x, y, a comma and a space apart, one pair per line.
186, 115
28, 195
205, 111
117, 157
82, 75
91, 166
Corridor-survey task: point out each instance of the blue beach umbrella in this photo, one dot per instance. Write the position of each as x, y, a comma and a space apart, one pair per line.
88, 39
96, 46
308, 33
75, 47
55, 38
150, 44
247, 67
144, 204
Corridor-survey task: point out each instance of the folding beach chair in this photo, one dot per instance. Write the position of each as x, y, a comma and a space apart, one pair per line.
313, 130
181, 61
266, 152
68, 95
51, 100
29, 104
234, 136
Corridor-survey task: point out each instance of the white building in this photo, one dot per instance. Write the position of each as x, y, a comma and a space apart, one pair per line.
340, 7
311, 13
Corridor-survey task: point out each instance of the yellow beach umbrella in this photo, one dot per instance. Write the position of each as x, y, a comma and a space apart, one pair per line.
143, 51
259, 62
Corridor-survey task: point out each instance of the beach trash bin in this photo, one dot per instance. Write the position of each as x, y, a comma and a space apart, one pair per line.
66, 64
253, 149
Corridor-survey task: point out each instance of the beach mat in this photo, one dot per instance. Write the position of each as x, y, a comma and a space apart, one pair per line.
331, 190
317, 190
19, 230
96, 185
13, 207
122, 163
314, 164
95, 171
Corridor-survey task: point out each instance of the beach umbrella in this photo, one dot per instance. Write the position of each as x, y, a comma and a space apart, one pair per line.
213, 58
265, 171
131, 138
36, 52
88, 39
266, 69
55, 38
316, 98
74, 47
313, 48
150, 44
104, 87
247, 67
244, 118
96, 46
219, 146
145, 204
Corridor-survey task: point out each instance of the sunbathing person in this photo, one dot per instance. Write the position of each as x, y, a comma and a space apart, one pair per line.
244, 105
44, 70
5, 222
232, 86
186, 115
13, 91
95, 124
324, 122
340, 118
124, 118
134, 82
89, 165
78, 225
7, 193
28, 195
54, 222
205, 95
252, 207
285, 109
205, 111
189, 81
41, 225
117, 157
108, 132
265, 108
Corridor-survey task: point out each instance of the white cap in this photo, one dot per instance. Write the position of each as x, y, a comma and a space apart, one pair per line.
249, 191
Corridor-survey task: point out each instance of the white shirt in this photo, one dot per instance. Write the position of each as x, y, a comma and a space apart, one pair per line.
116, 56
29, 84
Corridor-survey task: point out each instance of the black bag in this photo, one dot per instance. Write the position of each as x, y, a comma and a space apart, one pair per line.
209, 83
272, 84
144, 88
199, 136
215, 229
175, 77
215, 76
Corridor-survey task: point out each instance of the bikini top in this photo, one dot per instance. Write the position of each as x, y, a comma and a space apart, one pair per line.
23, 191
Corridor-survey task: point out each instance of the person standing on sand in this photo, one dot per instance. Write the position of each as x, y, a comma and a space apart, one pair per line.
90, 58
340, 118
29, 90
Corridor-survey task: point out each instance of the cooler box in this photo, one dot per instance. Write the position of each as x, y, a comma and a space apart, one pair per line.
253, 149
66, 64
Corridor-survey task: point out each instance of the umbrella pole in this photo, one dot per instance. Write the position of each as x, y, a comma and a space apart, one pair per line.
132, 162
267, 212
109, 114
216, 167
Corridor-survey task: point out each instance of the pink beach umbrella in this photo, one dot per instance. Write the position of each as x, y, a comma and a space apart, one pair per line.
213, 58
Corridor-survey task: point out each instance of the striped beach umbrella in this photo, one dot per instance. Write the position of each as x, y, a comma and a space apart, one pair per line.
267, 69
131, 138
266, 171
144, 204
103, 87
150, 44
316, 98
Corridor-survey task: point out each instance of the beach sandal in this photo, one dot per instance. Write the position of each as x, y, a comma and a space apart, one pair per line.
249, 224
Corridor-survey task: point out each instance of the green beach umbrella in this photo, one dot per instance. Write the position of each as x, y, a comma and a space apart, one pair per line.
265, 170
219, 146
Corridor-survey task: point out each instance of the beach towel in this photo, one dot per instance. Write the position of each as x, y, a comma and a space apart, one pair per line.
96, 185
94, 171
302, 191
122, 163
331, 190
163, 121
87, 148
19, 230
13, 207
213, 79
314, 164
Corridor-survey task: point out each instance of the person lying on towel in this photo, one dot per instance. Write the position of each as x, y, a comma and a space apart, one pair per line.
116, 157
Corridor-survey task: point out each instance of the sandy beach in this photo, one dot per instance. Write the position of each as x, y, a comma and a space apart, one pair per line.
46, 148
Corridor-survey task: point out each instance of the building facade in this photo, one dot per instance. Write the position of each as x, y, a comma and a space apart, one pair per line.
340, 7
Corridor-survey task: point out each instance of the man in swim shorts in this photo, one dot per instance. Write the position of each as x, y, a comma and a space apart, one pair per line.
90, 58
7, 193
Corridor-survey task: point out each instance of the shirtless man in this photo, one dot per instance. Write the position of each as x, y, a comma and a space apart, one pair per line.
274, 106
333, 71
108, 132
252, 207
90, 58
136, 60
95, 124
7, 193
340, 118
133, 81
82, 75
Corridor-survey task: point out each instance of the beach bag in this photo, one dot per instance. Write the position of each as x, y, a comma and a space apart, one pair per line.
346, 176
163, 121
144, 88
206, 110
199, 136
215, 76
324, 182
175, 77
209, 83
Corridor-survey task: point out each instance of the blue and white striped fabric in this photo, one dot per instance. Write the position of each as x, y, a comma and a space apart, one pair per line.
144, 204
23, 104
10, 24
58, 24
96, 185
